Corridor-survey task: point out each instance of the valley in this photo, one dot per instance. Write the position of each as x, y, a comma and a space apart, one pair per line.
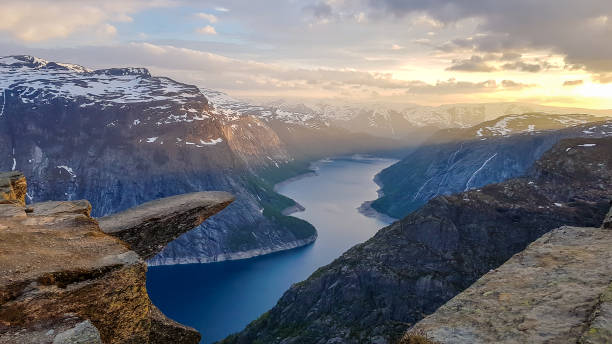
221, 298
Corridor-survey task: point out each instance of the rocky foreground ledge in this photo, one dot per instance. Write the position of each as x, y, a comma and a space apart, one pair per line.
559, 290
64, 280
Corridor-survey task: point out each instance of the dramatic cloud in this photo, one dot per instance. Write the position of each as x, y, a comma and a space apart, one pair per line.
409, 50
578, 30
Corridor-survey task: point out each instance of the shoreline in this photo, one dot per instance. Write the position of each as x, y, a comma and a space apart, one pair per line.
366, 207
235, 255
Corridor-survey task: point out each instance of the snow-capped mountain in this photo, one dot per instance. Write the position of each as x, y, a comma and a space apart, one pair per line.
402, 121
120, 137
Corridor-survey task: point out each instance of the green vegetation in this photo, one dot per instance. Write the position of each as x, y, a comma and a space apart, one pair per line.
274, 203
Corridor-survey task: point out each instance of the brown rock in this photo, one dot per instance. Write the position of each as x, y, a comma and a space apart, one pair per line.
12, 188
63, 280
149, 227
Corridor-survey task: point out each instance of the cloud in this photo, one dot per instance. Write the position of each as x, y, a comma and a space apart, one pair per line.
207, 30
221, 9
320, 10
452, 86
509, 84
571, 83
396, 47
578, 30
473, 64
523, 67
209, 17
39, 20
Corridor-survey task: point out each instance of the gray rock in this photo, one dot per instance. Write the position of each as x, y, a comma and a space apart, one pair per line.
555, 291
83, 333
607, 223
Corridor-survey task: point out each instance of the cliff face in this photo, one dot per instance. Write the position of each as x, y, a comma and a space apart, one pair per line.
63, 280
376, 290
462, 159
558, 290
121, 137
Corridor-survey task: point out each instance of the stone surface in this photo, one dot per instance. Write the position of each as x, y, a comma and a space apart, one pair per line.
608, 221
82, 333
376, 290
63, 280
548, 293
12, 187
149, 227
165, 330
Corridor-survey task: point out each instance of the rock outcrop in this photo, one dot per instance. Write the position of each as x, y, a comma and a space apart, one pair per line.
376, 290
63, 280
608, 221
558, 290
12, 188
149, 227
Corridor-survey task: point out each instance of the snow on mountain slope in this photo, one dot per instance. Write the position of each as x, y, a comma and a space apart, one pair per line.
397, 120
232, 109
38, 81
531, 122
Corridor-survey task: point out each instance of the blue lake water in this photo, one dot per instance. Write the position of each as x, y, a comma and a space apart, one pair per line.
219, 299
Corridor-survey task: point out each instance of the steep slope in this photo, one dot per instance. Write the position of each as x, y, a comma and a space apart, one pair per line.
461, 159
567, 270
376, 290
120, 137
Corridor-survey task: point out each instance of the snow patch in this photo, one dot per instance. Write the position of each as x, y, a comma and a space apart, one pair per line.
467, 185
211, 141
67, 169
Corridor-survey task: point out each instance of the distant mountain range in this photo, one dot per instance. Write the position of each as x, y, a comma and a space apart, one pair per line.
404, 121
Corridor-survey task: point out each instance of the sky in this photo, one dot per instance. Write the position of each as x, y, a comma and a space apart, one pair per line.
430, 52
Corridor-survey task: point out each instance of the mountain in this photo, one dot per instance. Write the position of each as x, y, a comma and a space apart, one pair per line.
119, 137
414, 122
567, 269
377, 289
456, 160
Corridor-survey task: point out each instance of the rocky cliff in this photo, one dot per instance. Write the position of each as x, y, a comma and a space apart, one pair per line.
377, 290
63, 280
558, 290
75, 131
121, 137
461, 159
